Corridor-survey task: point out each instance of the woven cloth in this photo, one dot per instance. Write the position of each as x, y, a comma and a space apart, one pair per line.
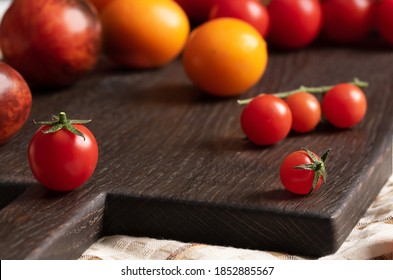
372, 238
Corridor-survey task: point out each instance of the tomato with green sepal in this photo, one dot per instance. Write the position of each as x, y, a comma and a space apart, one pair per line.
63, 153
303, 172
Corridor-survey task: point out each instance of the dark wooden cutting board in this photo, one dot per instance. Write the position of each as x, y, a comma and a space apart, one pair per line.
175, 164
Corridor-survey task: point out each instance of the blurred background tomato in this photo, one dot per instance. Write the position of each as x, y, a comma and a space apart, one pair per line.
143, 33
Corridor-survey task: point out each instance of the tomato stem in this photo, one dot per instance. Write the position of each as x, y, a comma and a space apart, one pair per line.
62, 122
312, 90
317, 166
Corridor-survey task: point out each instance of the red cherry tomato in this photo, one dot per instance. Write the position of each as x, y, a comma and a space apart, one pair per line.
384, 19
299, 170
306, 111
251, 11
62, 160
344, 105
347, 21
294, 23
266, 120
197, 10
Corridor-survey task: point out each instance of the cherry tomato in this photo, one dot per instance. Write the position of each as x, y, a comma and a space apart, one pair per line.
225, 56
266, 119
294, 23
303, 172
197, 10
344, 105
306, 111
144, 33
251, 11
384, 19
62, 160
347, 21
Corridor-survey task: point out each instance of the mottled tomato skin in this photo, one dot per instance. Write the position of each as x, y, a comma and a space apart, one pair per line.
62, 161
49, 42
15, 102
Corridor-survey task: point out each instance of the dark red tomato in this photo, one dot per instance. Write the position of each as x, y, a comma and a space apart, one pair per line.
197, 10
62, 160
266, 120
306, 111
294, 23
251, 11
15, 102
347, 21
299, 170
384, 19
344, 105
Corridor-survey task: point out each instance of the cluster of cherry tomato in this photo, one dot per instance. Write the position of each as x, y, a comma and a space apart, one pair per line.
293, 24
268, 118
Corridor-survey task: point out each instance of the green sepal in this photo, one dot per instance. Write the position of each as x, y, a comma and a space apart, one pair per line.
316, 165
61, 122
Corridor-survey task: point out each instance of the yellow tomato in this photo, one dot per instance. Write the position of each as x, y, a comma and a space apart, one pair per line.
225, 56
144, 33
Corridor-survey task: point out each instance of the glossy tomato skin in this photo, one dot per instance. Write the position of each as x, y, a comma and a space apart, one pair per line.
251, 11
344, 105
15, 102
384, 20
266, 120
347, 21
197, 10
294, 23
144, 34
295, 180
225, 57
306, 111
62, 161
51, 43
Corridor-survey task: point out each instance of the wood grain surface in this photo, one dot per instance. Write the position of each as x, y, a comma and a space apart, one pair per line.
174, 163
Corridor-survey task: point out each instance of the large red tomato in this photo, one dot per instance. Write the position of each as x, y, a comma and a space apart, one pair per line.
15, 102
294, 23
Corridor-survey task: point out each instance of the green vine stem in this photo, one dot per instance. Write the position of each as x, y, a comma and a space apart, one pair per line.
312, 90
